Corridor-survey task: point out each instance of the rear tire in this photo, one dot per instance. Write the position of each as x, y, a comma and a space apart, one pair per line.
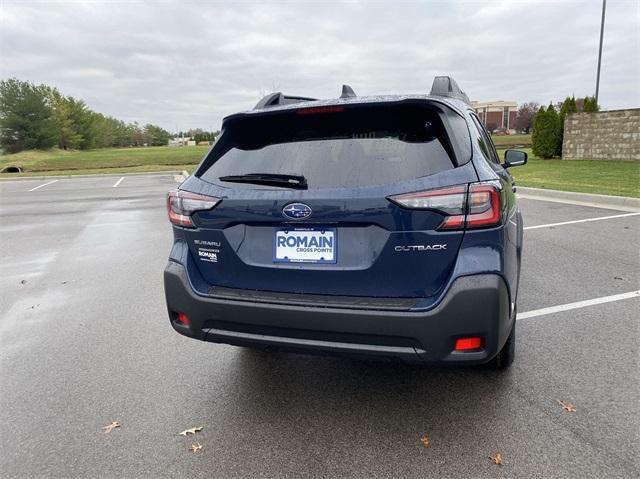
505, 357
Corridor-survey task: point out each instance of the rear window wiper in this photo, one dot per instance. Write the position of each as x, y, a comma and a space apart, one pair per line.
269, 179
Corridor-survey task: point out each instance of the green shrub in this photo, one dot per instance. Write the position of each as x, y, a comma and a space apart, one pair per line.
546, 131
26, 118
590, 104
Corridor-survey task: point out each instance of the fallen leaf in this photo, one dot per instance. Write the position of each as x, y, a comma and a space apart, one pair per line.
496, 458
24, 281
567, 406
196, 447
110, 427
425, 440
193, 430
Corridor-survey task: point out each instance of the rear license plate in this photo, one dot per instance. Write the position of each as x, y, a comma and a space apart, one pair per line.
305, 245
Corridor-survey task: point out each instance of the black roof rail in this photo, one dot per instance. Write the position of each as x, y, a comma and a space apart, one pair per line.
277, 99
447, 86
347, 92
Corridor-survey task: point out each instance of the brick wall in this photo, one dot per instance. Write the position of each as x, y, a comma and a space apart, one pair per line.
606, 135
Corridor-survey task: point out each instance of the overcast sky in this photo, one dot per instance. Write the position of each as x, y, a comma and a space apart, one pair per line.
184, 65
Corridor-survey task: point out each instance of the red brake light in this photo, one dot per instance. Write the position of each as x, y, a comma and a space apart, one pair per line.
320, 109
466, 344
182, 204
484, 206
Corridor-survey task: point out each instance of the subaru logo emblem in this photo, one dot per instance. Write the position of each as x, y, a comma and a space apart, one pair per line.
296, 211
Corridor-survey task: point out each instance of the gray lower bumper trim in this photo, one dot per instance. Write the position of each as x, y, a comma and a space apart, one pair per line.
315, 344
473, 306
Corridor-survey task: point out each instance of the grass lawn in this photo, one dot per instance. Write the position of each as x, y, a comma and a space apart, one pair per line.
603, 177
107, 160
621, 178
507, 141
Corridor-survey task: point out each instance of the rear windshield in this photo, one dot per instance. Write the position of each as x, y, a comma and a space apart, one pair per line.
335, 148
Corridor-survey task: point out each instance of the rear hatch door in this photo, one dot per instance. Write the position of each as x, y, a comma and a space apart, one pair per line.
339, 234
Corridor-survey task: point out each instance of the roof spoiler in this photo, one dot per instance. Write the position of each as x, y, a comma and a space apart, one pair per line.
447, 86
278, 98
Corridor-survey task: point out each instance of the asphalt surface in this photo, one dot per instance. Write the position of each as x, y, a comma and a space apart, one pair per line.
85, 340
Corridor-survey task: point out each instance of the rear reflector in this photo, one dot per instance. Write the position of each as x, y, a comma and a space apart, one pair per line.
466, 344
182, 204
182, 319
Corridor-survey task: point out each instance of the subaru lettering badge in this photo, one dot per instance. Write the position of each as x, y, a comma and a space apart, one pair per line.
296, 211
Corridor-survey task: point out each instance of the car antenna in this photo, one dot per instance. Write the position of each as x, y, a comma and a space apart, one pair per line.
347, 92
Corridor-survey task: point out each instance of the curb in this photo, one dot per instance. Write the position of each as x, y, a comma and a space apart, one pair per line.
622, 203
94, 175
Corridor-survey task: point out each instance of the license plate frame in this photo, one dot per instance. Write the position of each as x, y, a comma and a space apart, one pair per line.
283, 253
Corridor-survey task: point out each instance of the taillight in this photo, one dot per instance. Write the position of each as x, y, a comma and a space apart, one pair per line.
478, 206
450, 201
483, 206
182, 204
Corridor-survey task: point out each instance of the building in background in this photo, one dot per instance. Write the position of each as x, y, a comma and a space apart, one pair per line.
182, 141
497, 115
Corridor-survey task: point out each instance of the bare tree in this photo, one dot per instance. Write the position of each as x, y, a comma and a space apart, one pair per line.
524, 118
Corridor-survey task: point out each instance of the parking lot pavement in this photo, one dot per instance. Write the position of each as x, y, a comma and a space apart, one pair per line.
84, 341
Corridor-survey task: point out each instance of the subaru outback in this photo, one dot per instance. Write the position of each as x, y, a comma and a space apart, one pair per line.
374, 227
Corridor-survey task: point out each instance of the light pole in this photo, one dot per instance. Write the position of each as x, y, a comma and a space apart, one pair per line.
604, 7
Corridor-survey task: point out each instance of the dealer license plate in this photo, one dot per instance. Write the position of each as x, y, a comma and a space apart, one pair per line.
304, 245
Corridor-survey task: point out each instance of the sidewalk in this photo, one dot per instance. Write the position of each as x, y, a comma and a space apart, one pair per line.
622, 203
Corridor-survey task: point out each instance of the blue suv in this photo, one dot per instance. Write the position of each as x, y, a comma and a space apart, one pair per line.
381, 227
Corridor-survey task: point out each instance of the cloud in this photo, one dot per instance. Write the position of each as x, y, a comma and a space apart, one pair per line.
184, 65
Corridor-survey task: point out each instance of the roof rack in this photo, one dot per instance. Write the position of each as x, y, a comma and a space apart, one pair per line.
447, 86
278, 99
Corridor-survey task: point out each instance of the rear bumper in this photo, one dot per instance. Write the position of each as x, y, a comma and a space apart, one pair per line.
473, 306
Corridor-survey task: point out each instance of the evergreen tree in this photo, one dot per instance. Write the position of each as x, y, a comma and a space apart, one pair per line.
84, 121
68, 136
536, 125
590, 104
26, 118
156, 136
41, 117
568, 106
545, 132
136, 137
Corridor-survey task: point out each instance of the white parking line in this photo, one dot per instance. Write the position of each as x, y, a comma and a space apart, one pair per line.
118, 182
578, 304
600, 218
115, 223
45, 184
